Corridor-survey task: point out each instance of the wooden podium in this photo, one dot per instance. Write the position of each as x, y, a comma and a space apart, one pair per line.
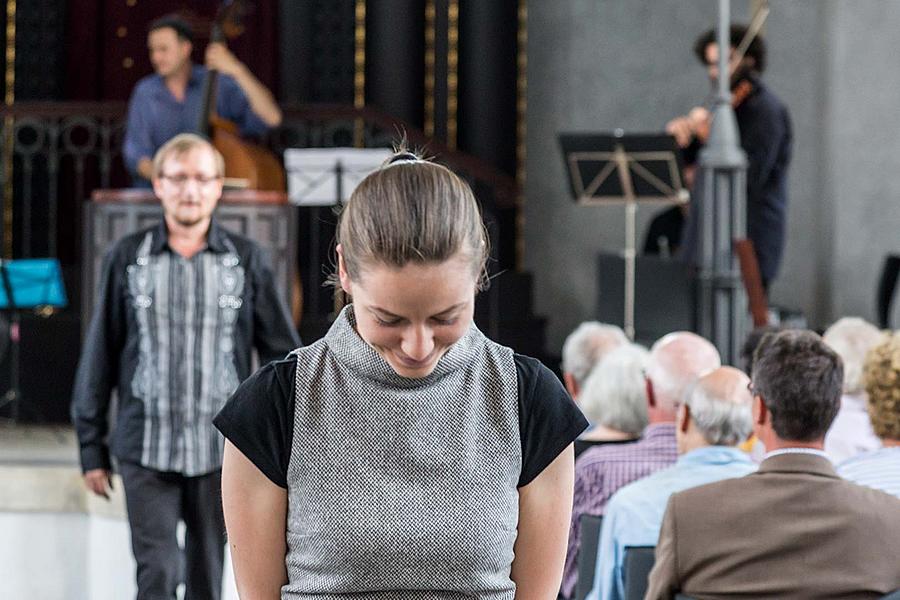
263, 216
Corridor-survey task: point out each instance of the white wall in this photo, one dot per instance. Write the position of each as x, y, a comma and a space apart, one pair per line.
594, 65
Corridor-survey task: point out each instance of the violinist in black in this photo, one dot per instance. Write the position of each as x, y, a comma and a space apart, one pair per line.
765, 131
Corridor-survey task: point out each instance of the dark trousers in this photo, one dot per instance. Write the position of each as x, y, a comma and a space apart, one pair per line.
156, 502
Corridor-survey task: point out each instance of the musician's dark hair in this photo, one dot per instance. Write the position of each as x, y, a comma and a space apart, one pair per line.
174, 22
756, 49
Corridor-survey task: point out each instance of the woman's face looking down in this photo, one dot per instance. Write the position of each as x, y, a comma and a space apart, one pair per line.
412, 315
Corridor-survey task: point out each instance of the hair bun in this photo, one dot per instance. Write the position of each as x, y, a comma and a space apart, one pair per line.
403, 156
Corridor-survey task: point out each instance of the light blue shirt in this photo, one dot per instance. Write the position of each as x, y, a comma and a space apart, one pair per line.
879, 469
635, 513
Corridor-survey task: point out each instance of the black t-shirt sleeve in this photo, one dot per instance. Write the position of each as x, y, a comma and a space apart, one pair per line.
259, 418
548, 419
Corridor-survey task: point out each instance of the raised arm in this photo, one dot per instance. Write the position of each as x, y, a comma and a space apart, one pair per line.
545, 507
261, 100
256, 521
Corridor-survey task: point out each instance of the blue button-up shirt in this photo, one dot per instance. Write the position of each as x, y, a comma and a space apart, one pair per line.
635, 513
155, 116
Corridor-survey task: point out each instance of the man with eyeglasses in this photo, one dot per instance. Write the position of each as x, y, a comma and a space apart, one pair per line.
180, 308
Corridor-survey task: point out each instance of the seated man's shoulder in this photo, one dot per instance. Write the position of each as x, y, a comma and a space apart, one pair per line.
755, 490
733, 487
862, 495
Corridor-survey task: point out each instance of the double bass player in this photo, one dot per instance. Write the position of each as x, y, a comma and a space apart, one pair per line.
168, 102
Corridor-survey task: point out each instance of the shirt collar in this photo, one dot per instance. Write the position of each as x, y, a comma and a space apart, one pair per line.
658, 430
198, 73
215, 238
810, 451
714, 455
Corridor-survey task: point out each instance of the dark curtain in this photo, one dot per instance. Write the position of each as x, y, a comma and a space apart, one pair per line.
106, 42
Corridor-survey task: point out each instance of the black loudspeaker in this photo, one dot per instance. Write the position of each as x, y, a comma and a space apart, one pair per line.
664, 295
887, 285
48, 357
40, 31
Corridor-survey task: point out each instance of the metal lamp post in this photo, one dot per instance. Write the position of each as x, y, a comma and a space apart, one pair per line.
722, 300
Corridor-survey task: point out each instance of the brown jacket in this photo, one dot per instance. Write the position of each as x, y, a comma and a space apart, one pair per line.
793, 529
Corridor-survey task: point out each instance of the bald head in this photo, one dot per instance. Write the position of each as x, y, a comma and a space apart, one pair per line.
676, 360
719, 407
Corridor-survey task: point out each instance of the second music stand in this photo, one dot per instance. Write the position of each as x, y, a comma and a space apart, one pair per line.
614, 168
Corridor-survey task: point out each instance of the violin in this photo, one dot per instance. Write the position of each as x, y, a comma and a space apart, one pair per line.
247, 165
699, 119
739, 92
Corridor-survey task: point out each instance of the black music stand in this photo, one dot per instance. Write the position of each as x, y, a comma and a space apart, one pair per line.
614, 168
31, 283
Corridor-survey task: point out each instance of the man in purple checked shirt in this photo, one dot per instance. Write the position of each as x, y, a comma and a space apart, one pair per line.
676, 360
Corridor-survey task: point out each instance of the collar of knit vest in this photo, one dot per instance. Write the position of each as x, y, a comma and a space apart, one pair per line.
353, 352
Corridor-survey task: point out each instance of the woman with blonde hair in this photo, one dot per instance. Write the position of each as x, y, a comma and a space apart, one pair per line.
404, 455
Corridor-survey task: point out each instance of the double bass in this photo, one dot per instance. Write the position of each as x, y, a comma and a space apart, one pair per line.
252, 165
256, 167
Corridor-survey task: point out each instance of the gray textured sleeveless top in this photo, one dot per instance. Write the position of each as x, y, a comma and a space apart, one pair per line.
402, 488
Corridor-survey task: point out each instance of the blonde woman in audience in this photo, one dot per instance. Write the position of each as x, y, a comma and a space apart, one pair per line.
880, 468
851, 433
614, 398
404, 455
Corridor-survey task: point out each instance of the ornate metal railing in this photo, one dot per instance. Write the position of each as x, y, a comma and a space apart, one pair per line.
63, 150
54, 154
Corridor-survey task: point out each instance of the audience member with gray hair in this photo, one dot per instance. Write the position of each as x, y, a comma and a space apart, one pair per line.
676, 360
793, 529
614, 398
880, 468
713, 420
584, 349
851, 433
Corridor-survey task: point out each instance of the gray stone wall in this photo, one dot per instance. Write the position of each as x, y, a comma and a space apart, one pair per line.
595, 65
863, 139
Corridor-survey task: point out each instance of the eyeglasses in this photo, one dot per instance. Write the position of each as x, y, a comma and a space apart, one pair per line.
181, 180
